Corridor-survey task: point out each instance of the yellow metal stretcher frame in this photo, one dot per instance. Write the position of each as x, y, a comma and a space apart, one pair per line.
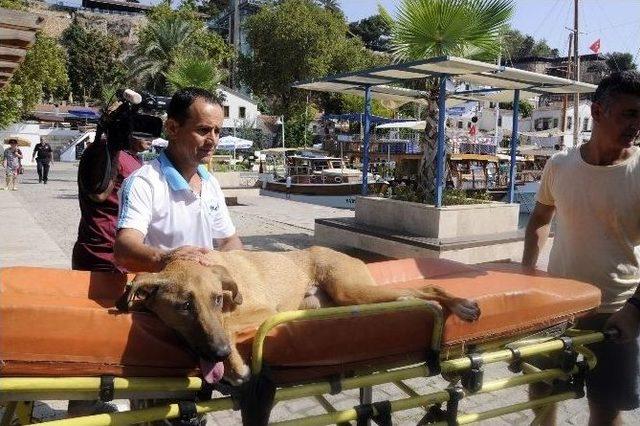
18, 393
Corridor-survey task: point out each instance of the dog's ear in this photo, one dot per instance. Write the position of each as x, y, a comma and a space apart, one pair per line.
228, 284
142, 288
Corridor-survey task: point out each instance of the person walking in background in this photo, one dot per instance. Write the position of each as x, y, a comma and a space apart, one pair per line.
11, 164
43, 160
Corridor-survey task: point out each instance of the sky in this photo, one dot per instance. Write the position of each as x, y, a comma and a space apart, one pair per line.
615, 22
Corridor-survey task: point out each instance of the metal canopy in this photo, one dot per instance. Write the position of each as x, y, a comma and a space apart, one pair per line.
507, 84
463, 70
17, 34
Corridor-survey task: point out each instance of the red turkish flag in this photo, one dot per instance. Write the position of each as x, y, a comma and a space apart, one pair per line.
595, 47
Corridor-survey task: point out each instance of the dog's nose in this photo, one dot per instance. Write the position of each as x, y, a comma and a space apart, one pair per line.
223, 352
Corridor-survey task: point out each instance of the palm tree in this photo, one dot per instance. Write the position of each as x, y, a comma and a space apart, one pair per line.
164, 42
332, 5
189, 71
430, 28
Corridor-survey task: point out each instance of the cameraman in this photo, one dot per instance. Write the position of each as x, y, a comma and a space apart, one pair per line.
93, 251
103, 166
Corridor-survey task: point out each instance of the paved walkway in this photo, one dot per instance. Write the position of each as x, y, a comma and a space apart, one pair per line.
39, 225
24, 242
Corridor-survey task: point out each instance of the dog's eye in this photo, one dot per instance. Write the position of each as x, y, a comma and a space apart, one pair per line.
218, 300
186, 306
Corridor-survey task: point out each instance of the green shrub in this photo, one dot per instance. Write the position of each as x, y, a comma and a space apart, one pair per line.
450, 197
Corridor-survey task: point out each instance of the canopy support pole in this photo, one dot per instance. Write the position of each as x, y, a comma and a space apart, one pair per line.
514, 143
365, 144
440, 154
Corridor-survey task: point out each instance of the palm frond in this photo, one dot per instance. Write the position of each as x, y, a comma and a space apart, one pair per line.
468, 28
189, 71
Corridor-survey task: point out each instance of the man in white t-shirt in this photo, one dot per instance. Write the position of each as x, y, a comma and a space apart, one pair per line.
594, 192
173, 207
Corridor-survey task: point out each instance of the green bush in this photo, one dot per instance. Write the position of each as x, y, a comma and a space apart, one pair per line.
450, 197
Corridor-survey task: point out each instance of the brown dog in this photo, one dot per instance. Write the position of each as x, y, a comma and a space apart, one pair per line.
206, 305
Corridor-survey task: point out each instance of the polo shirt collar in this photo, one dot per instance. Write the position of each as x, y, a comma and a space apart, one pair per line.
174, 178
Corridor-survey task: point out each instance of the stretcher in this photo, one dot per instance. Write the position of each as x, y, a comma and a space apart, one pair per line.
62, 338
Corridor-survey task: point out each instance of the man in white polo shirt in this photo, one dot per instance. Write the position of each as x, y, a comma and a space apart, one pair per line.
172, 207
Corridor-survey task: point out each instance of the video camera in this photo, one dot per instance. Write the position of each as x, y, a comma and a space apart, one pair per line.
136, 115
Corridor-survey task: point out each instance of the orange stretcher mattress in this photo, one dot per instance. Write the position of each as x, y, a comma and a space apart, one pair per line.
57, 322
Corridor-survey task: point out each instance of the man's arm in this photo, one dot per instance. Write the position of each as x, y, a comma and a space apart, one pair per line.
230, 243
536, 235
132, 253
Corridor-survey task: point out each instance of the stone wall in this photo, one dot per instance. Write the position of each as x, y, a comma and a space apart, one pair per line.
57, 19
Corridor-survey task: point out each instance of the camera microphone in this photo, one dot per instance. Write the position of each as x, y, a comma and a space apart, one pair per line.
134, 97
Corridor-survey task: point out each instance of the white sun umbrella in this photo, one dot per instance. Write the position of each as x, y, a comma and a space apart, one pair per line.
160, 142
231, 143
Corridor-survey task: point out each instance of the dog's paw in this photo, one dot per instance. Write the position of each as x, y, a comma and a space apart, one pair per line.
466, 309
236, 378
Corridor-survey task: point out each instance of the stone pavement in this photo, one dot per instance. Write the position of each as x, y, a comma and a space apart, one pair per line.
39, 226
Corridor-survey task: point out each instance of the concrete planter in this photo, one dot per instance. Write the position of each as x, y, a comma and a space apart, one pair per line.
432, 222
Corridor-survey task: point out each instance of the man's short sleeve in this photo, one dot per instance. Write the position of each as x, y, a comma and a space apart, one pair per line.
545, 194
222, 224
135, 204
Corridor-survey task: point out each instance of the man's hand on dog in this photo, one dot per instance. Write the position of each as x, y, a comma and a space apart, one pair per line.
190, 253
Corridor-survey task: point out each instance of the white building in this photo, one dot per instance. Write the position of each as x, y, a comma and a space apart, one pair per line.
548, 118
240, 110
542, 119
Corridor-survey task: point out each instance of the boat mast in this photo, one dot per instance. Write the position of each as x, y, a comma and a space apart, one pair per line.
576, 58
565, 97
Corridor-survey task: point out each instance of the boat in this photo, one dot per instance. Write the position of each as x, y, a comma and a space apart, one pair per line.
314, 177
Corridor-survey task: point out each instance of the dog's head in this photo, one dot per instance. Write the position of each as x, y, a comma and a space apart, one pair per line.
191, 299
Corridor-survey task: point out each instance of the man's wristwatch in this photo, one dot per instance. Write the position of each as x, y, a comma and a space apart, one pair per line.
635, 302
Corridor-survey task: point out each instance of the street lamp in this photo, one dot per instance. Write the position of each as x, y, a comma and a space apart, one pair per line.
280, 122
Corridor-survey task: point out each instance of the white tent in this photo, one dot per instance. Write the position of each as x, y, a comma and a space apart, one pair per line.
231, 143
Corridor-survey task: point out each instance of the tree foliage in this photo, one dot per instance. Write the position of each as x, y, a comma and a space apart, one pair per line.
466, 28
212, 7
10, 104
13, 4
189, 71
374, 31
524, 107
345, 103
618, 61
94, 61
517, 46
297, 40
169, 35
42, 74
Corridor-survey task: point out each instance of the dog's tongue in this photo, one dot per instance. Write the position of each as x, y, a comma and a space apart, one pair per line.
211, 371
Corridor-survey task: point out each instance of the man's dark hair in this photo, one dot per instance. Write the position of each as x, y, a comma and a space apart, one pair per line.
178, 108
617, 83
